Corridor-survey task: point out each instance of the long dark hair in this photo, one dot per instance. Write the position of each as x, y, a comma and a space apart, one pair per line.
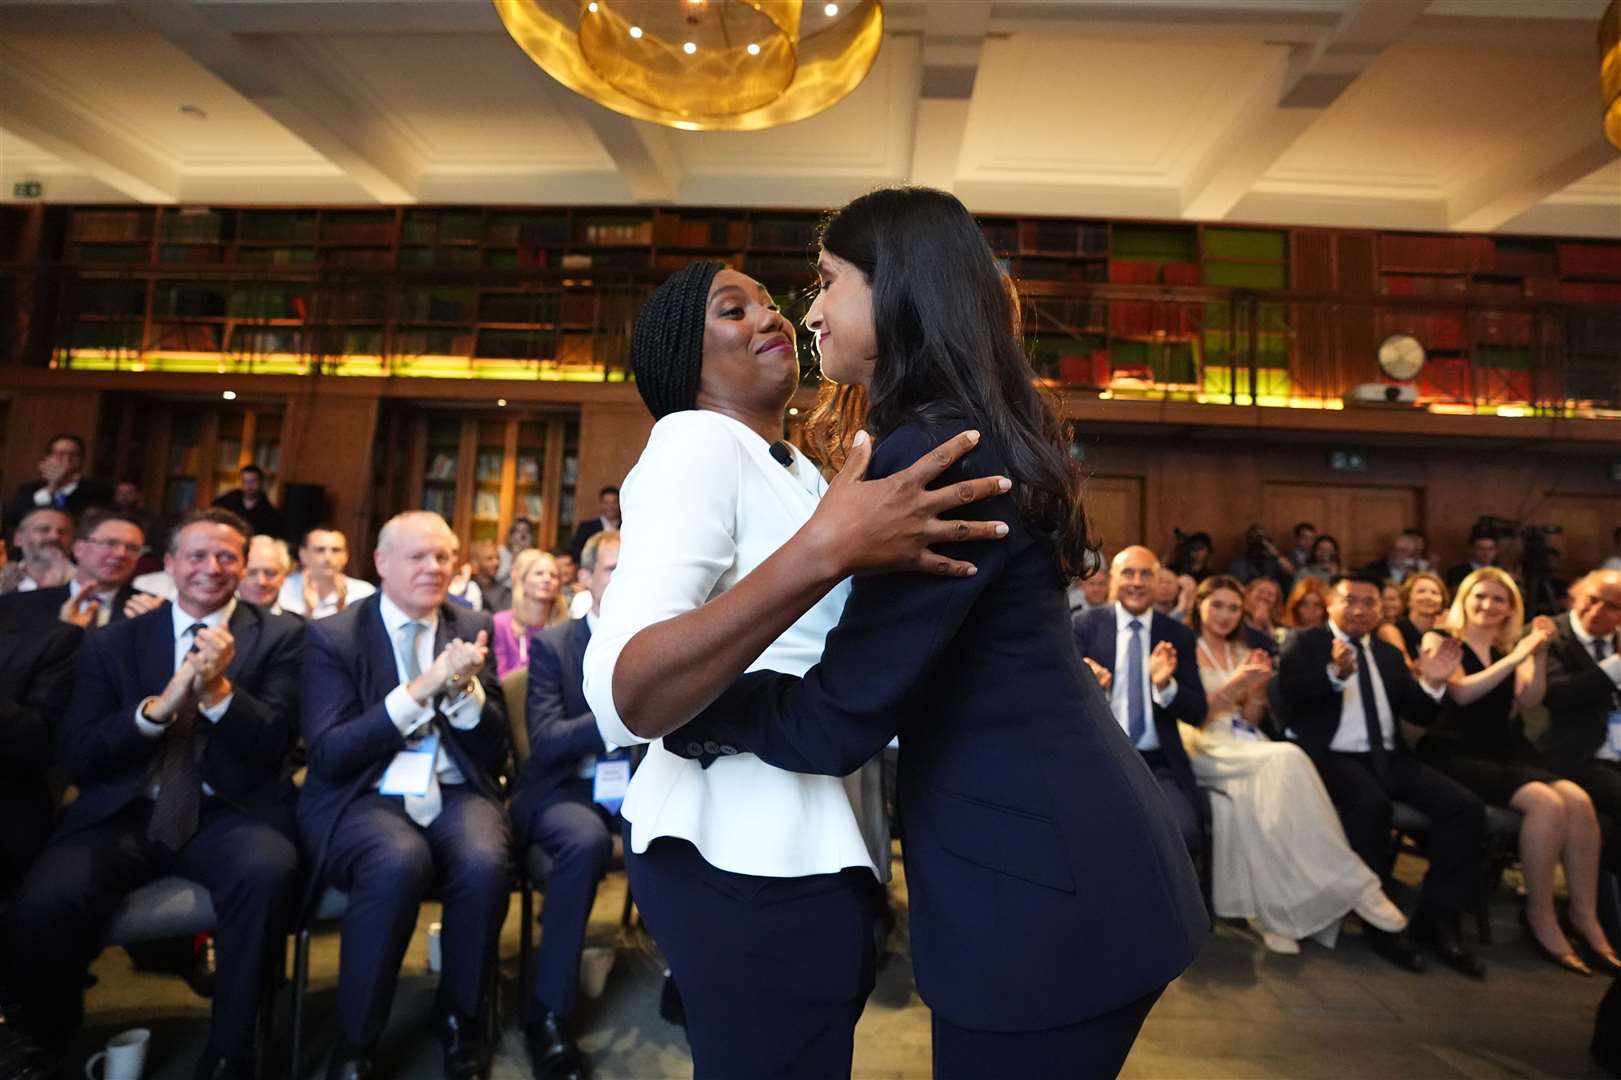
948, 330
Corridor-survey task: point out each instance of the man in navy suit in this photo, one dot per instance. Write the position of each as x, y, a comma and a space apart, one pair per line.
106, 551
1340, 691
1146, 663
36, 678
567, 801
62, 482
407, 734
177, 736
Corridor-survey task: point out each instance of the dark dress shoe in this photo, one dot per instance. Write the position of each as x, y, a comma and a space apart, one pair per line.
21, 1058
1443, 935
349, 1063
1568, 961
1397, 948
670, 1006
464, 1047
553, 1054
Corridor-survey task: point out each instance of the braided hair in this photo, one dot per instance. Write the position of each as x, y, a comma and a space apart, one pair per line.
667, 346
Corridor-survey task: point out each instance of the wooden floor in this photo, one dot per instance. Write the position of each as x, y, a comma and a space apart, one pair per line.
1239, 1012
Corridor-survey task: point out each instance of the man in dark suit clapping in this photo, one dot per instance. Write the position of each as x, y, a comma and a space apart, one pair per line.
567, 802
36, 677
1340, 691
1147, 665
177, 737
100, 592
407, 734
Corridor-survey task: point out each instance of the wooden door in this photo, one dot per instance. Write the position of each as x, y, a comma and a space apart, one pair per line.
1364, 519
1587, 522
1114, 507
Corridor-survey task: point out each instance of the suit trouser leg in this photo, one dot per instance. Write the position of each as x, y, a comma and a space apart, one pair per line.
56, 925
1094, 1048
1455, 842
574, 833
471, 841
251, 871
1182, 809
380, 857
1363, 806
1602, 782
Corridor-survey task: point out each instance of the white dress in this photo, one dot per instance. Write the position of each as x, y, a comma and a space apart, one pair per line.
1280, 855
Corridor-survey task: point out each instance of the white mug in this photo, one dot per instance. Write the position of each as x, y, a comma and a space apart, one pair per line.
435, 944
125, 1056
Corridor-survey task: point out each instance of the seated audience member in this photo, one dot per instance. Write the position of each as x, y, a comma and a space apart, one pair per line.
495, 594
1291, 875
43, 537
1482, 553
1261, 628
1305, 533
607, 518
1190, 558
464, 590
1090, 592
1406, 557
1583, 738
62, 483
130, 500
100, 591
1341, 691
1481, 743
1324, 562
1261, 559
537, 602
269, 562
406, 731
252, 503
520, 537
1424, 604
559, 806
1391, 607
319, 587
575, 592
1307, 605
36, 676
177, 736
1145, 662
1173, 595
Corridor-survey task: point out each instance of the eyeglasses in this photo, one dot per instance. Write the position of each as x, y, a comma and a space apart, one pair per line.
117, 545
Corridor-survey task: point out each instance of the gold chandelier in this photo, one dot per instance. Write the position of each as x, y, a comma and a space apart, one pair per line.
1609, 52
702, 65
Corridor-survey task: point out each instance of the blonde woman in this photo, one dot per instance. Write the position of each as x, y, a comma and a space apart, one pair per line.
1424, 599
1481, 743
537, 602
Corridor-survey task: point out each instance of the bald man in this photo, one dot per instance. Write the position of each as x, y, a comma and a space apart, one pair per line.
1146, 662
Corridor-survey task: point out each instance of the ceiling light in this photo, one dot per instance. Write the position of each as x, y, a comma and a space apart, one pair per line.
228, 395
831, 10
763, 69
501, 401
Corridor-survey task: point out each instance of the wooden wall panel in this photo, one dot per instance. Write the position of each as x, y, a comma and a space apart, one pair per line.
328, 440
611, 439
1114, 507
35, 415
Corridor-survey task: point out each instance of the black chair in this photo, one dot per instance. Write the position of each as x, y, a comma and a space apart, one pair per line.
1502, 850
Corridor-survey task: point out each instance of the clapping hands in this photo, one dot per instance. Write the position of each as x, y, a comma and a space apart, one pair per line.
459, 664
1162, 665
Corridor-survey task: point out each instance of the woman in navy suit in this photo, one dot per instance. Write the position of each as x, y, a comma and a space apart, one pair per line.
1052, 898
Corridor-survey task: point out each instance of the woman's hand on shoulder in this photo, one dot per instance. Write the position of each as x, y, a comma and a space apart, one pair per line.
888, 524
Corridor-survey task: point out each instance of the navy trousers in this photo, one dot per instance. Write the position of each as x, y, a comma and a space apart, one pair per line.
1177, 798
249, 867
388, 864
774, 972
574, 833
1093, 1049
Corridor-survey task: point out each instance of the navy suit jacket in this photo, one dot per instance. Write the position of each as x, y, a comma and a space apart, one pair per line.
1579, 699
348, 670
561, 727
244, 754
1306, 703
40, 608
89, 493
1095, 638
1049, 881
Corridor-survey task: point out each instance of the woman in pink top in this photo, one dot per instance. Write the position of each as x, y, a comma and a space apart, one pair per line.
537, 602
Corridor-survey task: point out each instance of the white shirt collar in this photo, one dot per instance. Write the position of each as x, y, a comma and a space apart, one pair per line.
591, 622
394, 617
1584, 637
1123, 617
184, 621
1334, 628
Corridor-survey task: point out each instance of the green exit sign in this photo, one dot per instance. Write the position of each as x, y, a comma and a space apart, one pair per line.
26, 189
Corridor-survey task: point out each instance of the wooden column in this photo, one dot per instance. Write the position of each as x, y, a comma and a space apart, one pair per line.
328, 439
611, 439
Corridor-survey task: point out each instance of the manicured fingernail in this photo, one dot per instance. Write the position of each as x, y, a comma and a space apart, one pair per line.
1001, 529
1004, 484
859, 440
973, 436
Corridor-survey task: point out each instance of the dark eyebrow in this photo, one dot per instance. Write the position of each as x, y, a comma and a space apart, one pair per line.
724, 289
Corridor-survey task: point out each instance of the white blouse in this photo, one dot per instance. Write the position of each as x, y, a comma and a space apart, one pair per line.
706, 504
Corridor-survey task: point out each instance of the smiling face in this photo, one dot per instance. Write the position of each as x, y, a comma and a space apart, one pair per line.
207, 564
414, 562
541, 580
750, 364
1487, 605
1133, 573
841, 318
1220, 611
107, 556
1261, 599
1353, 605
1426, 598
1597, 603
324, 554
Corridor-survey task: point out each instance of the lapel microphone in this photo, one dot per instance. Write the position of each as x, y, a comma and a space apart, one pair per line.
783, 453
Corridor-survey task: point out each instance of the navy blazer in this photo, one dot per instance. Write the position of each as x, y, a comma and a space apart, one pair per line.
39, 608
1579, 699
561, 727
1049, 882
244, 754
36, 678
348, 670
1096, 635
1305, 703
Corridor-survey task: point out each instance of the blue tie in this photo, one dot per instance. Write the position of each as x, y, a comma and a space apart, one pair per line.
1136, 708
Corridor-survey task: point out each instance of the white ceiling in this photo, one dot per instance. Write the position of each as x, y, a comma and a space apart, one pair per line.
1434, 114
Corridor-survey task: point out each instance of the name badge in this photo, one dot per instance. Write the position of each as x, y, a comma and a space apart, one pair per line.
411, 771
1615, 731
1242, 730
609, 782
